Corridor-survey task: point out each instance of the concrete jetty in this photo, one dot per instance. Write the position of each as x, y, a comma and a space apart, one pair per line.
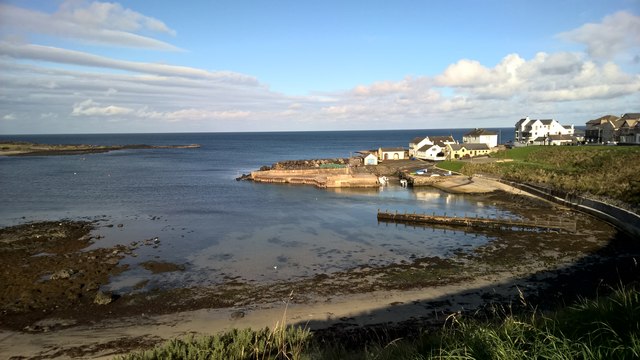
478, 222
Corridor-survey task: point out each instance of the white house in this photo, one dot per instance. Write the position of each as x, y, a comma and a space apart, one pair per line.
530, 131
481, 136
433, 152
371, 159
390, 154
417, 143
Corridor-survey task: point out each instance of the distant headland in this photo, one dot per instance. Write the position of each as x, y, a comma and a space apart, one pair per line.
19, 148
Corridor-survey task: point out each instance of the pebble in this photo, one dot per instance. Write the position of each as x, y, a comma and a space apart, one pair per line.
237, 315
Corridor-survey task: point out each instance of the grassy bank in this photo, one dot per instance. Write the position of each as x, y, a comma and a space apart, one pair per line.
603, 171
605, 328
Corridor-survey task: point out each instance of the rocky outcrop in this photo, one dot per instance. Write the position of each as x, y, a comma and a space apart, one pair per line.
307, 164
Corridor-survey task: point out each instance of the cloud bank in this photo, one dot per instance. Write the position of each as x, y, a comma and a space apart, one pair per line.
49, 88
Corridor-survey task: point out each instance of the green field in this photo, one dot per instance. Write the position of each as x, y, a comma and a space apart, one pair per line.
611, 172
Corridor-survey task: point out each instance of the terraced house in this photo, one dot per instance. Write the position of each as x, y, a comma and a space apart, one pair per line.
613, 129
537, 131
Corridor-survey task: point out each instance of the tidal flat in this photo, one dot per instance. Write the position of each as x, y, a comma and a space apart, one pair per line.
56, 275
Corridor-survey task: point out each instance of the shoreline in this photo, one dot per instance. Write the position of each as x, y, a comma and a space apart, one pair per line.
104, 339
423, 292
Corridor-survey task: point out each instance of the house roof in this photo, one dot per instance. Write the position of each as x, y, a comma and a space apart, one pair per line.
427, 147
480, 132
417, 140
546, 121
481, 146
442, 140
391, 149
561, 138
629, 116
602, 120
521, 121
628, 123
567, 126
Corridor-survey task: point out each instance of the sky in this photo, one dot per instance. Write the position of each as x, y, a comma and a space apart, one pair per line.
78, 66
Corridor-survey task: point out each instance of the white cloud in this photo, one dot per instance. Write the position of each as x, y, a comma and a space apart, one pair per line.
94, 23
92, 108
616, 34
101, 15
193, 115
64, 56
9, 117
48, 115
465, 73
546, 77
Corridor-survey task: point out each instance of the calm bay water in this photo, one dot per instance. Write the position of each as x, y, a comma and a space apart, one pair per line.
218, 227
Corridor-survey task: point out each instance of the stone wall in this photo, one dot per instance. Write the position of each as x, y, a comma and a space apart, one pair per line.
623, 219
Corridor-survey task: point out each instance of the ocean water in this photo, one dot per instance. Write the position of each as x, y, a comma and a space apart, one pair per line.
219, 228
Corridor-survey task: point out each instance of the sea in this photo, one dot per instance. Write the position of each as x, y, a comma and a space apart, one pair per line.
219, 229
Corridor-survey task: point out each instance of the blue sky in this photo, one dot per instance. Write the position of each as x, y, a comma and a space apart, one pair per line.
133, 66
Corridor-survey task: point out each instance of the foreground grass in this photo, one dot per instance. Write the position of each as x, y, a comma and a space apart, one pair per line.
604, 328
607, 171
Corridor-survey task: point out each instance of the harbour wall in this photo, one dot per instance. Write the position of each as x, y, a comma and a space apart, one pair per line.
322, 178
623, 219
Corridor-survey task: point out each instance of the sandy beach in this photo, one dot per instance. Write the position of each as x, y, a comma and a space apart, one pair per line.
107, 337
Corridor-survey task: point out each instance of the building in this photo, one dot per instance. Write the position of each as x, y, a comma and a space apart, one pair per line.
560, 140
628, 129
432, 152
613, 129
418, 143
371, 159
481, 136
593, 132
391, 154
463, 151
534, 131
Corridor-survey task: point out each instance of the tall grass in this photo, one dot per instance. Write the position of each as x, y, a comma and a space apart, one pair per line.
602, 328
281, 342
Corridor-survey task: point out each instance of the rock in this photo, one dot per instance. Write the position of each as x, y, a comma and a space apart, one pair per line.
103, 298
62, 274
120, 225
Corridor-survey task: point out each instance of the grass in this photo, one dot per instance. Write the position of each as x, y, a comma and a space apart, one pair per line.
451, 165
603, 171
602, 328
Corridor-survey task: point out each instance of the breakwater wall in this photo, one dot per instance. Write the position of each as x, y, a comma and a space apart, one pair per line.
478, 222
623, 219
